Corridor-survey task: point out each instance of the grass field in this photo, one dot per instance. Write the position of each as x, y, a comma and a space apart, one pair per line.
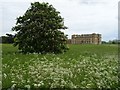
83, 66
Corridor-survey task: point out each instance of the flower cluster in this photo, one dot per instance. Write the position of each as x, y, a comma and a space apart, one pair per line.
57, 72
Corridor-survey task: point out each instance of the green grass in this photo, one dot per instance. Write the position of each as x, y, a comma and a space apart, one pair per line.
83, 66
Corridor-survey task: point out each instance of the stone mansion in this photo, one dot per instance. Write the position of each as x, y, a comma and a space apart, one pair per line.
85, 39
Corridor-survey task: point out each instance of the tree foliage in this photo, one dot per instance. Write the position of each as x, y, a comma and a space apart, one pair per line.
38, 30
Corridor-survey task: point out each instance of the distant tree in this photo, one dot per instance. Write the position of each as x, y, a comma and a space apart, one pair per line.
4, 39
118, 41
10, 38
38, 30
0, 39
7, 39
115, 41
104, 42
110, 42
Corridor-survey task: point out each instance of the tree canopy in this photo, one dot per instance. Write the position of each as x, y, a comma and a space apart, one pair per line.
39, 30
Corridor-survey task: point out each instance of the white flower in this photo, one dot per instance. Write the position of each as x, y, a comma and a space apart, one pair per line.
12, 81
35, 85
27, 86
13, 86
5, 75
39, 85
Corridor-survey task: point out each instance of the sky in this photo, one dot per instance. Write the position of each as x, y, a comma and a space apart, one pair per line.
80, 16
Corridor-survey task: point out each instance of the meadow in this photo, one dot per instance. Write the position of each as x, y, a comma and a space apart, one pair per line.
83, 66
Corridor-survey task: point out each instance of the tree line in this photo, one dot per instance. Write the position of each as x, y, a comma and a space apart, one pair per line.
115, 41
9, 38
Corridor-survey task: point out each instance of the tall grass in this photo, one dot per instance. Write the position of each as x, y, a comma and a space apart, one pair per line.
83, 66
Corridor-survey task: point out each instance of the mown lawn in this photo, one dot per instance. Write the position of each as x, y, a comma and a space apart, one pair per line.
83, 66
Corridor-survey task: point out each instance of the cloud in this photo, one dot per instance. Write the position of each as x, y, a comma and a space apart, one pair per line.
92, 2
100, 18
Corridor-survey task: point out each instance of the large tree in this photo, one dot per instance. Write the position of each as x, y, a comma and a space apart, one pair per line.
39, 30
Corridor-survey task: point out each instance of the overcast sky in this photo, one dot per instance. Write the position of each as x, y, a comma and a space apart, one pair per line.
80, 16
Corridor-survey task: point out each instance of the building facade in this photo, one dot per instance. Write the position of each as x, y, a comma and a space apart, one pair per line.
85, 39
